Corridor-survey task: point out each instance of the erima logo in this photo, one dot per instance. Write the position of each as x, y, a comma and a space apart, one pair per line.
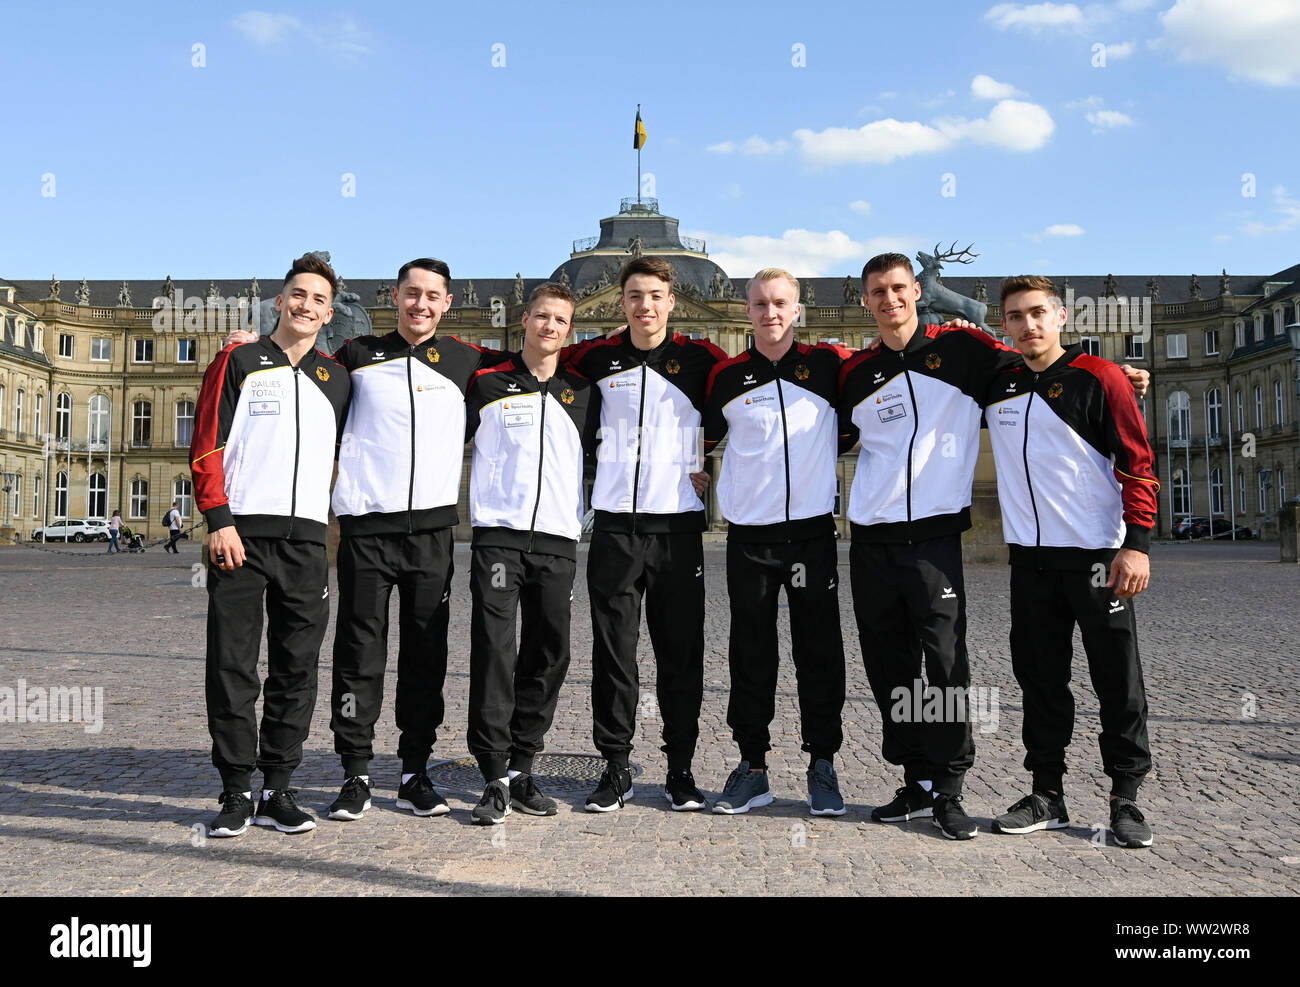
75, 941
948, 594
878, 378
699, 570
1116, 607
1011, 388
513, 388
830, 584
615, 365
264, 360
325, 593
376, 356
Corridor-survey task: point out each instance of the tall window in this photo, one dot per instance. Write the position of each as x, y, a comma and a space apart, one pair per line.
2, 406
36, 497
16, 498
183, 491
1239, 332
1216, 490
184, 422
1259, 406
1176, 346
1259, 328
1263, 482
97, 422
101, 348
38, 338
1241, 491
141, 423
1279, 406
66, 343
1213, 414
1134, 347
1180, 416
143, 350
1281, 484
97, 497
38, 426
18, 411
187, 350
1211, 342
1241, 414
61, 494
1182, 491
63, 417
139, 498
1091, 345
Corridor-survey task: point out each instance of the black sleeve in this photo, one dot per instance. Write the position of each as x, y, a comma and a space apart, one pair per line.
473, 404
591, 436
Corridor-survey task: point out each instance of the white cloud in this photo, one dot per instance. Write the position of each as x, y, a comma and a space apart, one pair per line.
725, 147
1253, 41
1035, 16
1288, 207
339, 36
1107, 119
939, 100
1122, 50
807, 253
1090, 103
1011, 124
861, 207
1064, 229
262, 28
1222, 236
986, 87
753, 146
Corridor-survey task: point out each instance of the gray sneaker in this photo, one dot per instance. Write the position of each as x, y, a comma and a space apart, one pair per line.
824, 790
745, 790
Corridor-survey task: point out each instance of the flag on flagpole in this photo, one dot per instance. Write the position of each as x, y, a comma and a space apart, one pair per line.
638, 138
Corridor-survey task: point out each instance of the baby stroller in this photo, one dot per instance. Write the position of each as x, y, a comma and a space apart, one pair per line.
131, 541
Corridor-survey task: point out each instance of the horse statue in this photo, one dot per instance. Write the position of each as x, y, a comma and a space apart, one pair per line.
937, 299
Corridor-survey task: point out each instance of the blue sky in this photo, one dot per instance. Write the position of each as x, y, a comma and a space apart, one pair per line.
805, 135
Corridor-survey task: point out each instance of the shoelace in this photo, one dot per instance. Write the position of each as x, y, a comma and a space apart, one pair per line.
734, 778
285, 796
233, 800
421, 783
1033, 799
1129, 809
494, 795
681, 780
609, 778
353, 788
823, 781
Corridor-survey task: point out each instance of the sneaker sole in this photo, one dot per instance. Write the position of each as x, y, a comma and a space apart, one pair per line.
997, 827
690, 806
757, 802
348, 815
437, 810
963, 835
825, 812
595, 807
223, 832
925, 813
268, 821
488, 820
550, 811
1132, 844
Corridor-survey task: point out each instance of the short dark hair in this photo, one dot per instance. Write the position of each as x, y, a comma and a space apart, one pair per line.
425, 264
312, 264
1029, 282
552, 289
887, 262
655, 266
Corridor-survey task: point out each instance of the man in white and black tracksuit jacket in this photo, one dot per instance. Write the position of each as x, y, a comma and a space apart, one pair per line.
647, 538
266, 431
534, 431
776, 405
1078, 495
395, 497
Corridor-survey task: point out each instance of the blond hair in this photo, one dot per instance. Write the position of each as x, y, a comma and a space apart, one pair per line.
771, 274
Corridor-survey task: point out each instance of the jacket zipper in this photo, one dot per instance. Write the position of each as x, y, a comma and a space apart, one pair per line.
297, 445
410, 490
902, 358
541, 453
785, 440
640, 427
1038, 531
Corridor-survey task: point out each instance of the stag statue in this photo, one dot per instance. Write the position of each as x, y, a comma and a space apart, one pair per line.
937, 299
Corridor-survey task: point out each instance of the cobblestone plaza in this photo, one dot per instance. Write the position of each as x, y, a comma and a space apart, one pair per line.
121, 810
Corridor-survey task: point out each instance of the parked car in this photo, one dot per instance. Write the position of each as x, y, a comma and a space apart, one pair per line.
72, 529
1186, 527
1199, 527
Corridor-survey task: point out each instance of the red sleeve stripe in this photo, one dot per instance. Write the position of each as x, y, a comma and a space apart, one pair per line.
717, 368
207, 464
503, 365
1134, 461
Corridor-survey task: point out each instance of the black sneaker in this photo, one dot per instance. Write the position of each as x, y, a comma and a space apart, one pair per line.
236, 812
681, 792
494, 806
1037, 810
353, 800
282, 812
525, 797
951, 818
614, 789
1127, 826
910, 802
420, 797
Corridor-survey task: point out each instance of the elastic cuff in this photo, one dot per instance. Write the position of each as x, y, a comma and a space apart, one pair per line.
1049, 783
219, 517
948, 784
1125, 787
521, 761
756, 756
1138, 539
616, 758
355, 766
493, 766
416, 765
240, 782
276, 779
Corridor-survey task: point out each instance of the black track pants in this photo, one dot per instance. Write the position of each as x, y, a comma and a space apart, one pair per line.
910, 600
513, 690
756, 573
1045, 606
668, 570
293, 579
369, 566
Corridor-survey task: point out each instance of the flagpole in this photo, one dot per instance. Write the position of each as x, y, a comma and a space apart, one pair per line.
638, 160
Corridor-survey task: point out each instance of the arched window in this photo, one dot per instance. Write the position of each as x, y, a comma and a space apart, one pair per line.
97, 497
97, 422
63, 417
61, 494
1179, 406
